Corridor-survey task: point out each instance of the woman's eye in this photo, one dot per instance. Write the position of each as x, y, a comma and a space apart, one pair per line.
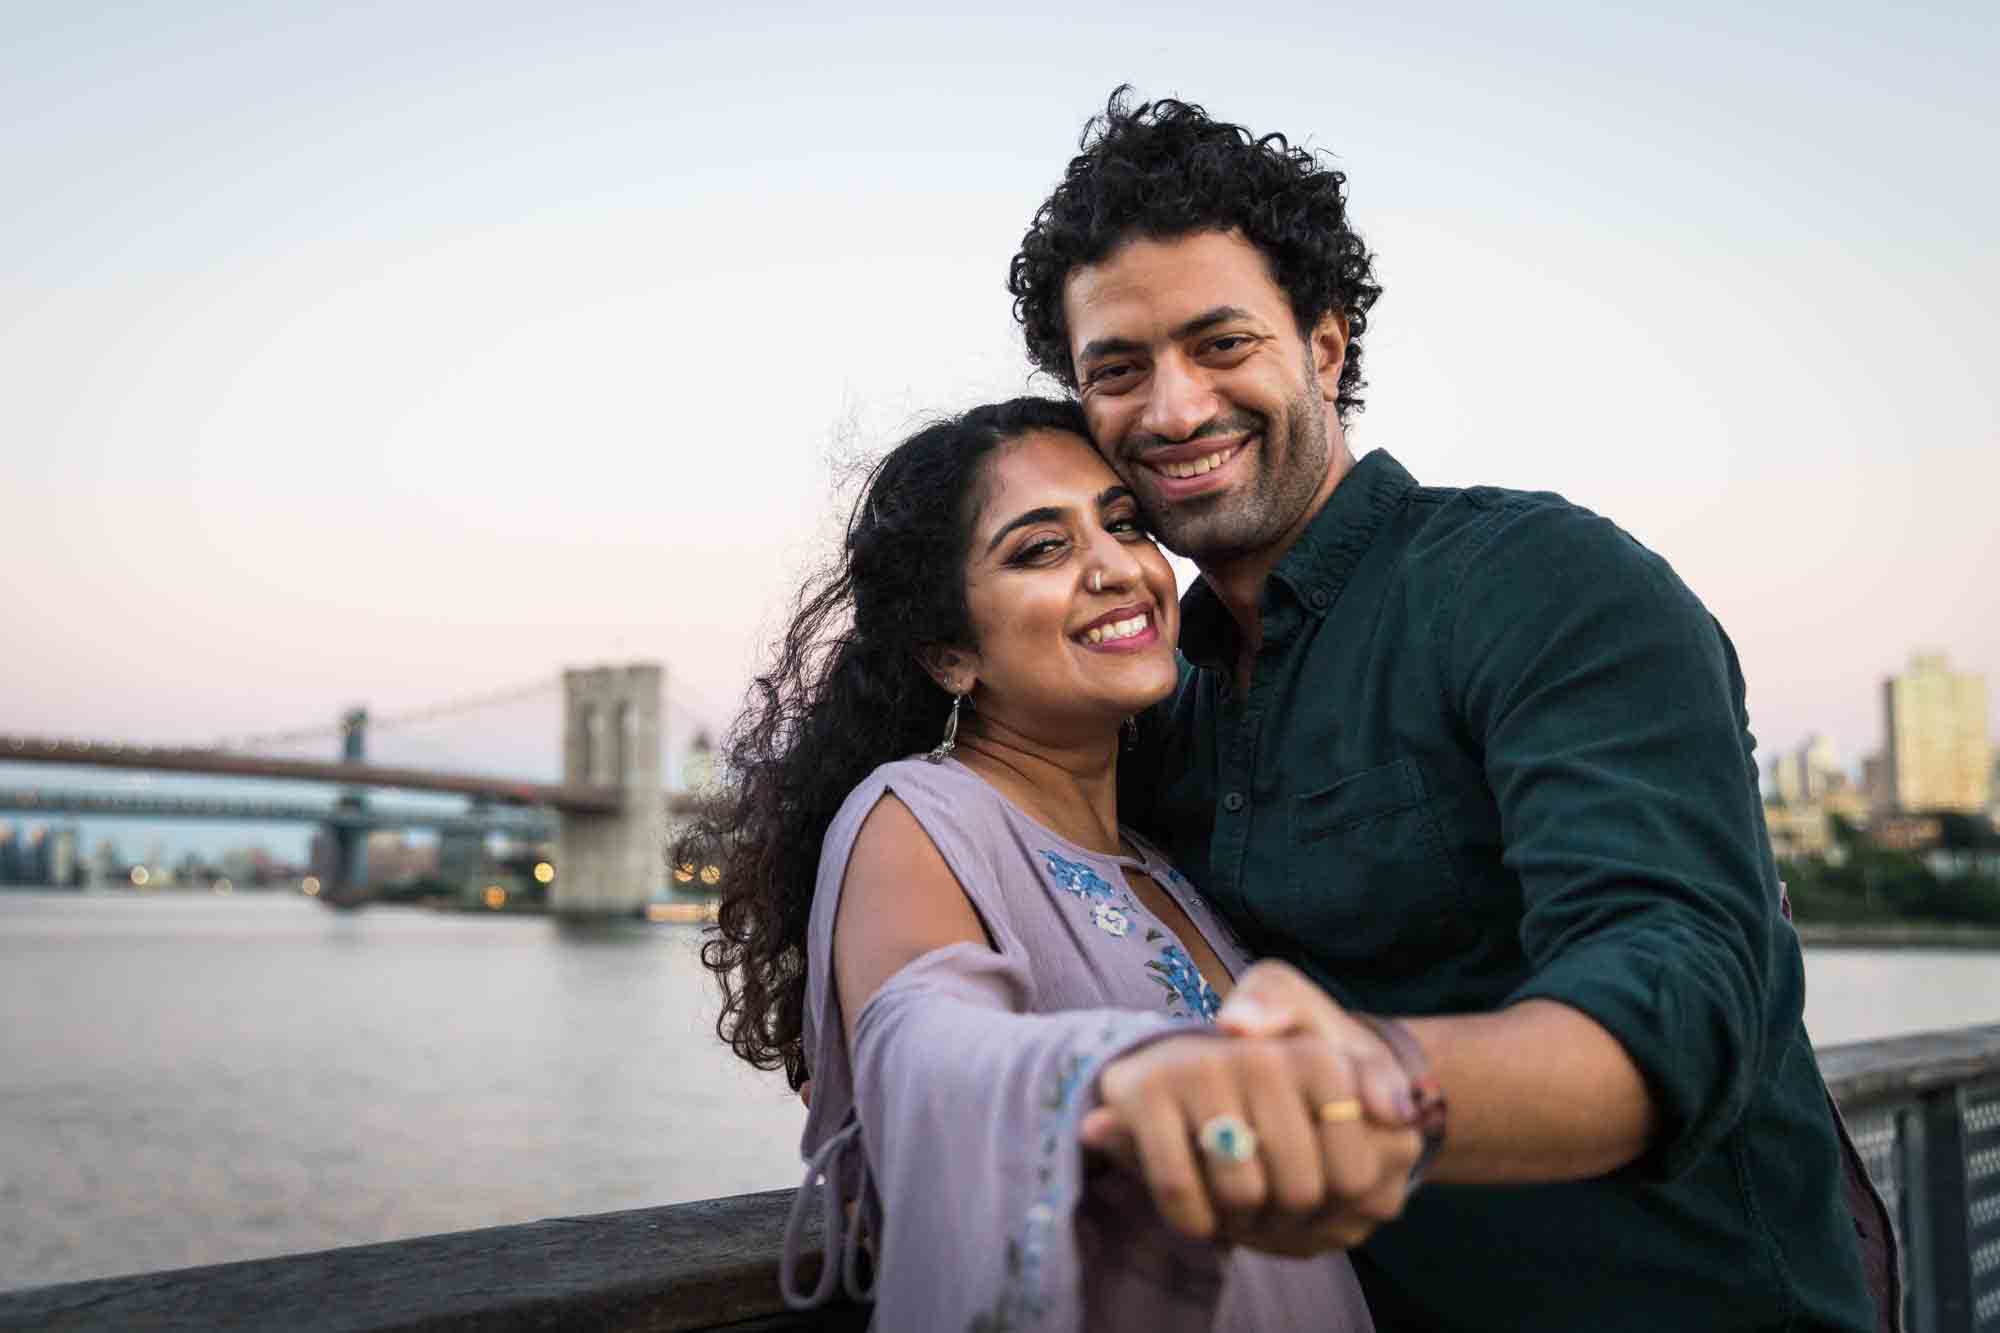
1037, 550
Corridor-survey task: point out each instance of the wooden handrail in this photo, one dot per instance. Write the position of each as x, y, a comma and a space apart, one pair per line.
1868, 1071
705, 1265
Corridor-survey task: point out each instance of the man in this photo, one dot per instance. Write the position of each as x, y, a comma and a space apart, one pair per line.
1475, 759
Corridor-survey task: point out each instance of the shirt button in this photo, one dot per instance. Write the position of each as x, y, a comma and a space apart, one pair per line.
1321, 598
1233, 802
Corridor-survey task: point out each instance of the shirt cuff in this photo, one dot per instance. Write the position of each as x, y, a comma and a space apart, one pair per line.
1686, 1042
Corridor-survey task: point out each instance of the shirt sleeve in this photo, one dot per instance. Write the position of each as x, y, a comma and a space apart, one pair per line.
968, 1109
1609, 705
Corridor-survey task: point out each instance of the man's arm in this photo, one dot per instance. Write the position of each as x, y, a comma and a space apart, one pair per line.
1537, 1092
1543, 1094
1608, 707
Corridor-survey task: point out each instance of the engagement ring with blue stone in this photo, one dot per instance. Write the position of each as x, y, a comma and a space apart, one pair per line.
1227, 1137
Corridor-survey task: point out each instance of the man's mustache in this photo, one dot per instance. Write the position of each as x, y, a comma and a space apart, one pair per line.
1236, 423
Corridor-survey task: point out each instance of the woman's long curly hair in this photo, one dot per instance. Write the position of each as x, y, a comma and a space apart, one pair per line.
1165, 169
846, 693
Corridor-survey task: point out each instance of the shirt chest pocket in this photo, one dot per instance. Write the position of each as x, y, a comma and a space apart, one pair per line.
1370, 886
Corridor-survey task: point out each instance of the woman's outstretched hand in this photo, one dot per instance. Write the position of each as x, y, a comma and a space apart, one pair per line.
1327, 1102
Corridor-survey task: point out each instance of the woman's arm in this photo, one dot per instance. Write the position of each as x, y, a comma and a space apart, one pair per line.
968, 1100
898, 902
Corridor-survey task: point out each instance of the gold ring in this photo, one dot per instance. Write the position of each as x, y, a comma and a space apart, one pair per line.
1338, 1112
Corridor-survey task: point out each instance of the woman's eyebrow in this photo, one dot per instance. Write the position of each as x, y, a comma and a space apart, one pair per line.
1111, 495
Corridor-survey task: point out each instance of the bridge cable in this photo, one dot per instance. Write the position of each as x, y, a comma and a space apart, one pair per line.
391, 721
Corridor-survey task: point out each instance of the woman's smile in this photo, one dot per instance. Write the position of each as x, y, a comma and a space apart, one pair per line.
1127, 629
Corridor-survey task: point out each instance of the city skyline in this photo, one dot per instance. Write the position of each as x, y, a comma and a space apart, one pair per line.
394, 358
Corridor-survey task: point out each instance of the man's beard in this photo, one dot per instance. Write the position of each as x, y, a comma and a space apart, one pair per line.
1252, 516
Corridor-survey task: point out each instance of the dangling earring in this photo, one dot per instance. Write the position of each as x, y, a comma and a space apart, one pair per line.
950, 741
1130, 726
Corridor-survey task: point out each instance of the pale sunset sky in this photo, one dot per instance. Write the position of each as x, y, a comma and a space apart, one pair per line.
388, 354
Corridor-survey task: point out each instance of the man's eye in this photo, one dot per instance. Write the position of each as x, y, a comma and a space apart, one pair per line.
1104, 375
1230, 342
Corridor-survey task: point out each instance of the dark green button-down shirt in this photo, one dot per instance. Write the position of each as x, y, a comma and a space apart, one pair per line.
1492, 749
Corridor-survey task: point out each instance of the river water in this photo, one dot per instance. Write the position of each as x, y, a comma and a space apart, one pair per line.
189, 1079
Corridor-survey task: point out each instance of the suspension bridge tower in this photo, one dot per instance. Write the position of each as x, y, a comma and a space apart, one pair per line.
610, 864
348, 874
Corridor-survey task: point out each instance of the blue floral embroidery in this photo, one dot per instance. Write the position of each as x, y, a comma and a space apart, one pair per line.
1112, 911
1109, 907
1184, 982
1080, 879
1021, 1301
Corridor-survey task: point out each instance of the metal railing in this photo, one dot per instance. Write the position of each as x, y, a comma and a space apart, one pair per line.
1924, 1110
1925, 1114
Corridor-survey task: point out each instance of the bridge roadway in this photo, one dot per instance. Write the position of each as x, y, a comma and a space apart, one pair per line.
537, 825
569, 799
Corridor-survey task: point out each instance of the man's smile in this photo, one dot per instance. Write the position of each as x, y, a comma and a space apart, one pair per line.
1188, 469
1206, 463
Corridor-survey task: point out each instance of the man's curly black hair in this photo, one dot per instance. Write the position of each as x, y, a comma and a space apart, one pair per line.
1164, 169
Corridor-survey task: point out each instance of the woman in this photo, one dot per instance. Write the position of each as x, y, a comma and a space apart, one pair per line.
928, 902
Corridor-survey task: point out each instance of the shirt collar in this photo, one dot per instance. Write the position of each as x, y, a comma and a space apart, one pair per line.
1316, 568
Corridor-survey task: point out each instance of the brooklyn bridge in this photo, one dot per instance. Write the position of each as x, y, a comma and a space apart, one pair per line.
608, 814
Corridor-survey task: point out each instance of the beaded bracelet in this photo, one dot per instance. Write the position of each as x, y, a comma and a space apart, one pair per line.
1425, 1091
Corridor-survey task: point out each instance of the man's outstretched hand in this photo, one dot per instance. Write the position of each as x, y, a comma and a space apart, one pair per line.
1316, 1182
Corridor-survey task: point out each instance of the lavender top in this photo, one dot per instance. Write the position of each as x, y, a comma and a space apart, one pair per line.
948, 1131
